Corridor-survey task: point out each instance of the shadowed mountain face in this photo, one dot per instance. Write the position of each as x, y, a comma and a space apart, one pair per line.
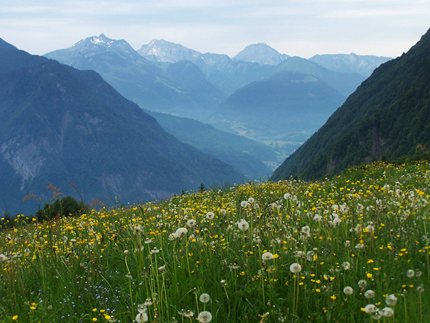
69, 128
387, 117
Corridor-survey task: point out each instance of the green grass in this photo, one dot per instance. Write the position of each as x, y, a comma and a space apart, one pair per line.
371, 223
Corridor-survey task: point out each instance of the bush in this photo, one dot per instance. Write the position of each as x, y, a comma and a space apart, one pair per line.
66, 206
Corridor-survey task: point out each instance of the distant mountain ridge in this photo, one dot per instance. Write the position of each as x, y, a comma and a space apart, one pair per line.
386, 118
261, 53
62, 126
350, 63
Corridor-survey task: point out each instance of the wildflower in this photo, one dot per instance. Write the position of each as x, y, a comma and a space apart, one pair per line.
204, 317
369, 294
267, 256
137, 229
410, 273
204, 298
391, 300
243, 225
386, 312
348, 290
15, 317
154, 251
295, 268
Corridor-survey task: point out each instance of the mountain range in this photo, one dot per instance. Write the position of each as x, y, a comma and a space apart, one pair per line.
386, 118
70, 128
170, 78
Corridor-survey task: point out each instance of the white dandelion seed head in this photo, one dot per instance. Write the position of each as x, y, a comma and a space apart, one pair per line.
348, 290
251, 200
191, 223
346, 265
369, 294
141, 317
370, 309
410, 273
267, 256
295, 268
391, 300
243, 225
204, 298
180, 232
362, 283
204, 317
210, 215
244, 203
386, 312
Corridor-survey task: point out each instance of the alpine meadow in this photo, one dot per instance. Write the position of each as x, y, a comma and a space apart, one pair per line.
215, 161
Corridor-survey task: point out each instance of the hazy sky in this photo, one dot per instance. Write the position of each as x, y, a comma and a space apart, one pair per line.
294, 27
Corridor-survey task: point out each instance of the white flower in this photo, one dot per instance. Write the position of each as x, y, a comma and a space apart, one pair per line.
306, 230
137, 229
391, 300
141, 317
295, 268
369, 294
204, 317
267, 256
287, 196
370, 309
348, 290
251, 200
204, 298
162, 269
410, 273
155, 250
386, 312
210, 215
243, 225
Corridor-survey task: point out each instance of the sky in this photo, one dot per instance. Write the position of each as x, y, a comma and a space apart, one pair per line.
293, 27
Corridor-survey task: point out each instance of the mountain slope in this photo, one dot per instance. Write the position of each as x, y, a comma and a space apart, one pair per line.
388, 117
287, 106
251, 158
61, 125
159, 50
350, 63
139, 79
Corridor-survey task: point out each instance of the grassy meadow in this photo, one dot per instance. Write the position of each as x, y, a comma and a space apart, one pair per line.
353, 248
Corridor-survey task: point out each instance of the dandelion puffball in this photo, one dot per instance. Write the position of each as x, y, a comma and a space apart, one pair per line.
204, 298
295, 268
204, 317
